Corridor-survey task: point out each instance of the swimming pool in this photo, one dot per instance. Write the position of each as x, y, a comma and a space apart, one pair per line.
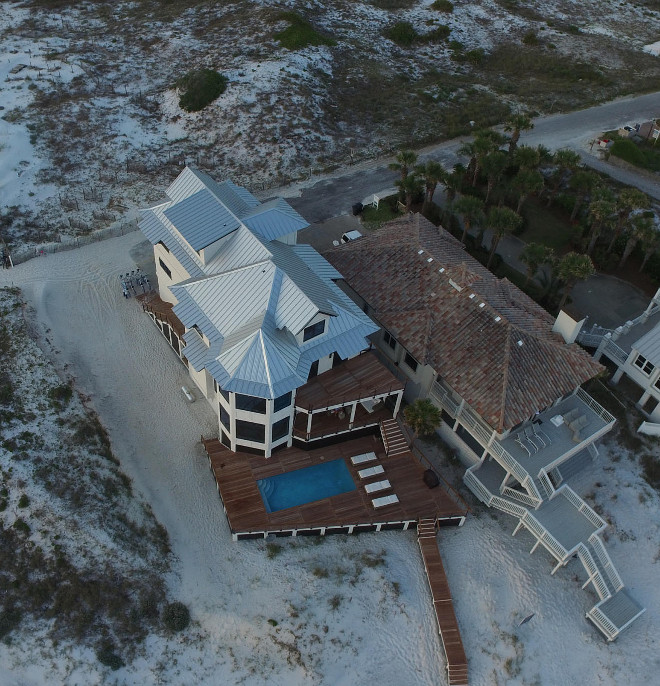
305, 485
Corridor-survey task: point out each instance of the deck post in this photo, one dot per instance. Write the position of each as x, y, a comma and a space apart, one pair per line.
352, 417
397, 407
309, 424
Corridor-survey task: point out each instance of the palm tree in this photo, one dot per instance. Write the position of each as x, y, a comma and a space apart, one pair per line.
409, 186
433, 173
651, 244
566, 160
572, 268
526, 157
526, 181
471, 210
583, 183
629, 199
533, 256
404, 161
517, 123
642, 229
494, 166
484, 143
599, 212
423, 416
501, 221
453, 183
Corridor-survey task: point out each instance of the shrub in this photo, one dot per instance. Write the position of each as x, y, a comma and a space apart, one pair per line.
530, 38
200, 88
21, 525
176, 616
107, 656
439, 33
60, 395
443, 6
300, 33
626, 150
23, 501
10, 618
402, 33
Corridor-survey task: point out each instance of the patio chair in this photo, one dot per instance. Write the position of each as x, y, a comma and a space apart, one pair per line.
377, 486
371, 471
529, 434
570, 415
384, 500
519, 438
542, 435
364, 457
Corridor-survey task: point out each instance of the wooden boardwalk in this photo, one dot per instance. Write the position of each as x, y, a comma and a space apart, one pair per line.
457, 667
236, 475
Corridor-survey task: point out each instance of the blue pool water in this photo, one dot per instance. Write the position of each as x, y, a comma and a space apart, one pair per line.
305, 485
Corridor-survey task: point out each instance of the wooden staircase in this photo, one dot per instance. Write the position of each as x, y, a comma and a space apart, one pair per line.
457, 667
393, 438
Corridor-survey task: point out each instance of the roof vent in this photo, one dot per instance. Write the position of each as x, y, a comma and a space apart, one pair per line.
442, 269
455, 285
419, 252
471, 296
482, 305
520, 343
498, 318
430, 259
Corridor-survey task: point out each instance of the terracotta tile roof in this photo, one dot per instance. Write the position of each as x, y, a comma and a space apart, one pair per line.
492, 343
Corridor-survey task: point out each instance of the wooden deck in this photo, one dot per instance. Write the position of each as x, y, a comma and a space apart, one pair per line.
236, 475
151, 302
360, 377
330, 424
457, 667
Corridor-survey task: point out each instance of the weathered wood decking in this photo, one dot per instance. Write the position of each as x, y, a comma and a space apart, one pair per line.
236, 475
457, 668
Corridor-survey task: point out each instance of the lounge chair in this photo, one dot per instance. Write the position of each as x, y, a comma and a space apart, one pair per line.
378, 486
519, 438
535, 440
371, 471
364, 457
571, 415
384, 500
542, 435
576, 426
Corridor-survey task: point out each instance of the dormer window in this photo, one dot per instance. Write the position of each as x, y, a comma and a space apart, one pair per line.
314, 330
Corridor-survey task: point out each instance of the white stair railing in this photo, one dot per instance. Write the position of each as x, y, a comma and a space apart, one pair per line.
606, 562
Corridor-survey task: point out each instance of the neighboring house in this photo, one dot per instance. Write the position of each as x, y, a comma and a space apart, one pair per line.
634, 348
256, 318
506, 378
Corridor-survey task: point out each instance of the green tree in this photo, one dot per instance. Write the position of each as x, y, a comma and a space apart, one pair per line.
410, 185
485, 142
423, 417
526, 157
526, 181
471, 210
433, 173
650, 245
583, 183
629, 199
517, 123
501, 221
533, 256
404, 161
565, 161
641, 229
600, 211
572, 268
453, 183
494, 166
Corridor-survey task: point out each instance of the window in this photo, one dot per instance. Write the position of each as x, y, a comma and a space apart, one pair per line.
164, 267
250, 404
250, 431
389, 340
224, 439
280, 429
282, 402
224, 394
224, 418
314, 330
411, 362
642, 363
656, 384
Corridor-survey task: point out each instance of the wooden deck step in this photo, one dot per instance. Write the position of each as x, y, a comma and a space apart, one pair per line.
393, 438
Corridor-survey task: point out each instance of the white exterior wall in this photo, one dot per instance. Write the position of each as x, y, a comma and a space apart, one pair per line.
645, 381
164, 281
325, 364
420, 380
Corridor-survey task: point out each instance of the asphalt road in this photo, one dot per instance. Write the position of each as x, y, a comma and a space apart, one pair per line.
318, 200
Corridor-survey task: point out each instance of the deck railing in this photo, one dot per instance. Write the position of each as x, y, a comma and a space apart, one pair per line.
444, 399
595, 577
473, 483
606, 562
595, 407
611, 349
544, 536
606, 626
520, 496
508, 507
582, 507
